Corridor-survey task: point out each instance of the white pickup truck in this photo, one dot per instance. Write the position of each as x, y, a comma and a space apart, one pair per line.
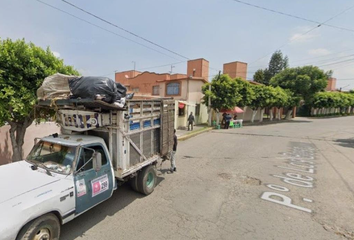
66, 175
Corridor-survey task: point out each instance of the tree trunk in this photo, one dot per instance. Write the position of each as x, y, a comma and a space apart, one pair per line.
288, 114
244, 112
17, 135
209, 117
262, 112
217, 117
271, 114
254, 113
278, 114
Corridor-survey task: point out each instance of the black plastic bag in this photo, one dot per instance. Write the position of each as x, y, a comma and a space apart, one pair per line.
121, 91
90, 87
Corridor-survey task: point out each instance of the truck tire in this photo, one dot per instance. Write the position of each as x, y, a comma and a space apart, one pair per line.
147, 179
46, 227
134, 183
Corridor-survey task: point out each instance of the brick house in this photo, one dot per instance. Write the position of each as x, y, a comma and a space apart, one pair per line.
186, 89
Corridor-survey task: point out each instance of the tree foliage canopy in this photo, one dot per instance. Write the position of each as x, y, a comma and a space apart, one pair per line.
332, 100
302, 81
276, 64
246, 91
224, 92
264, 97
23, 67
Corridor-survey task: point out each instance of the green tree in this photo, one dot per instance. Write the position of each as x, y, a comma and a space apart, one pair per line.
322, 100
246, 92
329, 100
23, 67
302, 81
292, 101
279, 99
276, 64
263, 97
224, 93
259, 76
351, 102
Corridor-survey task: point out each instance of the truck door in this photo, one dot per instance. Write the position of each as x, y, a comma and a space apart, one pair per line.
92, 187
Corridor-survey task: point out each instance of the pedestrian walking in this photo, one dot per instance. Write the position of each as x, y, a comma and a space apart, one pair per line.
227, 121
173, 153
190, 121
223, 121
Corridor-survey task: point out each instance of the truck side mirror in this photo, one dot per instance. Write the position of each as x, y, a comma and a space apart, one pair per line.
97, 161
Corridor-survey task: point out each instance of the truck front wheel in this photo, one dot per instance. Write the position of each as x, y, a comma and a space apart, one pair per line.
147, 179
46, 227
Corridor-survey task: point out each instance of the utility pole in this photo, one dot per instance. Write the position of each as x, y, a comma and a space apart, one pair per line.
171, 69
209, 107
209, 103
134, 63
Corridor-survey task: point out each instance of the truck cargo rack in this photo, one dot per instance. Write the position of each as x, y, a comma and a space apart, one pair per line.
96, 105
137, 135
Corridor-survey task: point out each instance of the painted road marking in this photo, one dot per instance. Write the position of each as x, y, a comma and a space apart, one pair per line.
298, 157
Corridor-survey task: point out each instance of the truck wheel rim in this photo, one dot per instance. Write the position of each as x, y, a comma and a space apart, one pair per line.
42, 234
150, 180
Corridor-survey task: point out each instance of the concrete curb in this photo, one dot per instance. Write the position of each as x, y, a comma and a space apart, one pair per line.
192, 134
246, 124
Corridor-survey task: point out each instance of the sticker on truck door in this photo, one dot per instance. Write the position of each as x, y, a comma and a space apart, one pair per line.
80, 187
99, 185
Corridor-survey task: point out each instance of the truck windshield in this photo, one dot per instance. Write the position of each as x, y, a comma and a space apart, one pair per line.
55, 157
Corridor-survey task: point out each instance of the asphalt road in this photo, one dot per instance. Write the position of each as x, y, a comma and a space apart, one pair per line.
291, 180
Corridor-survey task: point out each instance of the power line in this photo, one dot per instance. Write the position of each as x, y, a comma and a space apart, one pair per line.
92, 24
348, 60
325, 61
296, 17
345, 65
125, 30
291, 40
161, 65
325, 56
129, 32
319, 25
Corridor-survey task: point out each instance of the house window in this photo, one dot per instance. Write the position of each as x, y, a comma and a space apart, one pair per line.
173, 89
135, 89
156, 90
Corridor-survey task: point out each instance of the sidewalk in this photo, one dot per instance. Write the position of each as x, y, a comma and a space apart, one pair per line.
185, 134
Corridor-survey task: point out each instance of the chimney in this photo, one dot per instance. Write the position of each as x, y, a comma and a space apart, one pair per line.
198, 68
331, 84
236, 69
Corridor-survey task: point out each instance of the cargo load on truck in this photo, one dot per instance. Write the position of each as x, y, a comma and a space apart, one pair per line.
60, 86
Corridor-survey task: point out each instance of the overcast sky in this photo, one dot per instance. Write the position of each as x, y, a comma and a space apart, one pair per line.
218, 30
